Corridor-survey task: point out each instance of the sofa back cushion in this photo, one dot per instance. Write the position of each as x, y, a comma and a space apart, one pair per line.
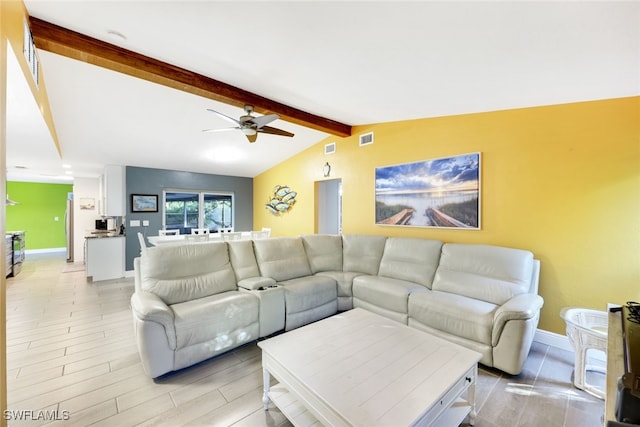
179, 273
243, 259
413, 260
489, 273
282, 258
362, 253
324, 252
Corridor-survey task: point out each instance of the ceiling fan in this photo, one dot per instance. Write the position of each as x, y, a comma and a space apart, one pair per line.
251, 125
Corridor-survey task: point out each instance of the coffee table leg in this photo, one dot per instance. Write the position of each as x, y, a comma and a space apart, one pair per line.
266, 378
471, 396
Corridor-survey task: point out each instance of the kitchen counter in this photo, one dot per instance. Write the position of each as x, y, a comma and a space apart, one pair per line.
104, 256
101, 234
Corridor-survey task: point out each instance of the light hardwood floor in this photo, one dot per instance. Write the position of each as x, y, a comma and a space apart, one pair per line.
71, 349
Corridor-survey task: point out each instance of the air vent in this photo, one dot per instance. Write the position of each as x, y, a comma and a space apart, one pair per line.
366, 139
330, 148
29, 50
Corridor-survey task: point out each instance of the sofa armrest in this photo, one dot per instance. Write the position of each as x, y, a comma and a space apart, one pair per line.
150, 307
253, 283
520, 307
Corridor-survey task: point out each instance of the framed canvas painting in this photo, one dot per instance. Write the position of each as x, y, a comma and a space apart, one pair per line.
443, 193
144, 203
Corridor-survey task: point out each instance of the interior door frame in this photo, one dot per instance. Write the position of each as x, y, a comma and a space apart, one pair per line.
328, 206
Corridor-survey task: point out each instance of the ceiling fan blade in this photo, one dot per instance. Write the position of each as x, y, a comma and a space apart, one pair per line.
263, 120
224, 116
274, 131
219, 130
252, 138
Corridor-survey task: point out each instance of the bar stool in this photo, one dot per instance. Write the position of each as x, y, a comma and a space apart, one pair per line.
586, 329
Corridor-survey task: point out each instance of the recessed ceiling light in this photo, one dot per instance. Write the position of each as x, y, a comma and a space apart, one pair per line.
20, 167
116, 36
66, 166
68, 172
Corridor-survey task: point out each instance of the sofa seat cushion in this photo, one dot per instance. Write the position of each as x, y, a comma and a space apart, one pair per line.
385, 292
216, 316
179, 273
454, 314
344, 280
305, 293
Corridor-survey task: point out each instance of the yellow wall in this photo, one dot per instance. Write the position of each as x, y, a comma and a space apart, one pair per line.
562, 181
12, 16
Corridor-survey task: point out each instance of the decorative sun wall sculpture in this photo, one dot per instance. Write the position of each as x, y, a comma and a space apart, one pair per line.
282, 199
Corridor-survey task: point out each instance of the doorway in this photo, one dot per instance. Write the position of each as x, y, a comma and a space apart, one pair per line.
329, 206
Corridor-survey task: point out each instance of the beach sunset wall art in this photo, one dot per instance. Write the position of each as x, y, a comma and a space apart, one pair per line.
442, 193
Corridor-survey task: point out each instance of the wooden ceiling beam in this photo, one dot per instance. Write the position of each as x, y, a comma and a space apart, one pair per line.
62, 41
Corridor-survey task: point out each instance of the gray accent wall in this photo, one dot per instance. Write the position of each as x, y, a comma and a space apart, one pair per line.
155, 181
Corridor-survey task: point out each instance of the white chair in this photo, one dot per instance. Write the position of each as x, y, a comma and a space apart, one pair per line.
586, 329
225, 230
197, 237
199, 231
231, 236
267, 230
174, 232
256, 235
143, 244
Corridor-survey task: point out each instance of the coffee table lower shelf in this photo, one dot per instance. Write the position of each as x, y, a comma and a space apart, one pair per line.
299, 416
291, 407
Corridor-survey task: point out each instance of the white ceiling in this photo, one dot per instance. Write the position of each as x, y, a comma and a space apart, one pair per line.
355, 62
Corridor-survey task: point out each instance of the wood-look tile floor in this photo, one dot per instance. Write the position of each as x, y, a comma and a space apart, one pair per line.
71, 353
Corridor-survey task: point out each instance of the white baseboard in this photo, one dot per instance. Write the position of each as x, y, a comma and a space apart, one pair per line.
553, 339
44, 251
562, 342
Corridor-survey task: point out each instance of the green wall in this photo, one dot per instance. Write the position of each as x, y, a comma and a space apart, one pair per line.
39, 205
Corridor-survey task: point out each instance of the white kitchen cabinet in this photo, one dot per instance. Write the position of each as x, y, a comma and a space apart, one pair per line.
105, 258
113, 191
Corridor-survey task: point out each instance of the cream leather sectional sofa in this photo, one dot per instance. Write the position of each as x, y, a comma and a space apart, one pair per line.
195, 301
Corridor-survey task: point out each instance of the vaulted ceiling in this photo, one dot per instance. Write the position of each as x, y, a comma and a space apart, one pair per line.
323, 66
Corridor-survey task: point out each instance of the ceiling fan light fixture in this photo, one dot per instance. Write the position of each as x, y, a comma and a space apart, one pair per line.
250, 125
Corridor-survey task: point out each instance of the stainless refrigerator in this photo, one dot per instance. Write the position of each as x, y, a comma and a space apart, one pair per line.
68, 227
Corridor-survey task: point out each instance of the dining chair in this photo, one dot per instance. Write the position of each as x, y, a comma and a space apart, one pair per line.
257, 235
198, 237
143, 244
267, 230
199, 231
174, 232
231, 236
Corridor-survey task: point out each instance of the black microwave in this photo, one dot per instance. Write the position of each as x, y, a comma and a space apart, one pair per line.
101, 224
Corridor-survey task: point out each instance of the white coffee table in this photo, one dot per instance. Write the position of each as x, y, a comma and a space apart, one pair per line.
361, 369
